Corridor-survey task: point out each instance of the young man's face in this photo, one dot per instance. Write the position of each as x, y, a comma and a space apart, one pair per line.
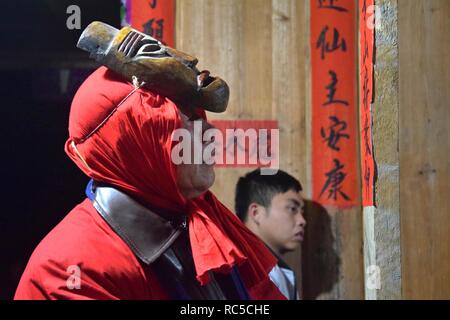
281, 226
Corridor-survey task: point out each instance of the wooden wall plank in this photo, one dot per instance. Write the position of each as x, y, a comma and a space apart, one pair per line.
424, 144
289, 58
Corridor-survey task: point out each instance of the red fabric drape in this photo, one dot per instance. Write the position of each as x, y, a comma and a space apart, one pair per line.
131, 150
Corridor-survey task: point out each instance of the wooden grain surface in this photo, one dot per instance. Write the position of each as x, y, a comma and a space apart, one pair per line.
424, 52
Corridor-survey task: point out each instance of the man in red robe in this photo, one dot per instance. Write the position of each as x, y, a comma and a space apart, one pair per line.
149, 229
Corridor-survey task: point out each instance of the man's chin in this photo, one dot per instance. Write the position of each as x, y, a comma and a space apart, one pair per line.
292, 246
203, 184
206, 178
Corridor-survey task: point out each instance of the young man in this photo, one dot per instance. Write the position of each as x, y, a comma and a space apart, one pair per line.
272, 207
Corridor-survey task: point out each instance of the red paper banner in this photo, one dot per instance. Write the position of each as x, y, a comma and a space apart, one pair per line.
366, 34
153, 17
247, 143
334, 111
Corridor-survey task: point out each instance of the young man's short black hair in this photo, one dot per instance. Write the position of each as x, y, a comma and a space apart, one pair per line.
257, 188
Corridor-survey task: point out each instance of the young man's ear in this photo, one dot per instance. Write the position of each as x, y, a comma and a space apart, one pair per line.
255, 212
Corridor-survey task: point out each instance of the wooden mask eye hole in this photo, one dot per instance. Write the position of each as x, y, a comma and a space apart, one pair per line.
151, 47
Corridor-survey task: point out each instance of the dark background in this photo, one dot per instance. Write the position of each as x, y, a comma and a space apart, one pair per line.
40, 71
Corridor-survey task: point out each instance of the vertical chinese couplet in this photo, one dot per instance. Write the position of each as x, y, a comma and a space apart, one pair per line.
366, 32
334, 105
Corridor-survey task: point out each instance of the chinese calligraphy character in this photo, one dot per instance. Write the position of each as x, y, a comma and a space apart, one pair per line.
237, 149
157, 33
366, 47
332, 91
323, 5
335, 178
364, 9
234, 143
367, 175
365, 89
336, 132
327, 47
153, 3
366, 136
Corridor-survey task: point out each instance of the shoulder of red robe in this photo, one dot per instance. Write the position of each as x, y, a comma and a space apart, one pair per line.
82, 258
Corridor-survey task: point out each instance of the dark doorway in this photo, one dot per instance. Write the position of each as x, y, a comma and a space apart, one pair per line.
40, 71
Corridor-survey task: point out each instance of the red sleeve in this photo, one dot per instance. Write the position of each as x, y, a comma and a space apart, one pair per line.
51, 281
82, 258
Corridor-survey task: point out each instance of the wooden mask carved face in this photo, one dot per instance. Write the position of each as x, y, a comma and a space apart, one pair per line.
164, 70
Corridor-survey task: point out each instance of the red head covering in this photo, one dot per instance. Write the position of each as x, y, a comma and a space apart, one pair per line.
122, 136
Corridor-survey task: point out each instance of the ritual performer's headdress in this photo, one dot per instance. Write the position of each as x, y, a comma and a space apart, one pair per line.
162, 69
